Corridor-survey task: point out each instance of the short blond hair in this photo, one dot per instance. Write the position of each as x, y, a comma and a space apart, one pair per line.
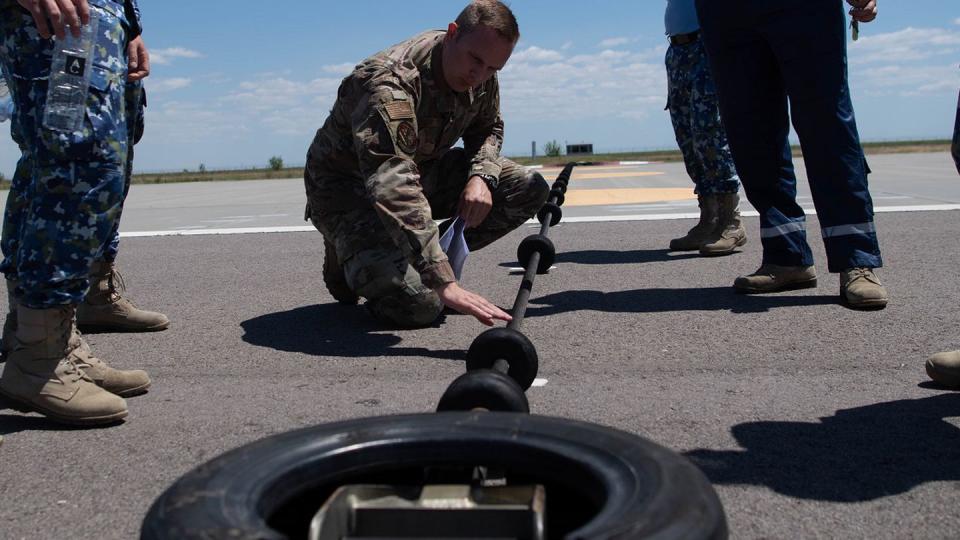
491, 13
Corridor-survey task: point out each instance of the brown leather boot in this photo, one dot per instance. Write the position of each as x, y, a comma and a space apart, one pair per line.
334, 278
41, 377
774, 278
944, 368
106, 310
729, 234
124, 383
704, 230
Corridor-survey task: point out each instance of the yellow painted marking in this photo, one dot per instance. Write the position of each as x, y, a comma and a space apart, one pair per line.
613, 175
576, 177
603, 197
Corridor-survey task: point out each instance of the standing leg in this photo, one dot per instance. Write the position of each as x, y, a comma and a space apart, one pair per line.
680, 61
720, 182
753, 107
809, 40
73, 184
104, 308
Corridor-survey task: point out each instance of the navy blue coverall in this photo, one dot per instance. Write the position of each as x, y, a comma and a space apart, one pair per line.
764, 54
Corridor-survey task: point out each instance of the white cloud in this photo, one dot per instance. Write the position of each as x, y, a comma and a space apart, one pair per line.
909, 44
166, 56
342, 70
614, 42
908, 62
536, 54
166, 85
956, 21
538, 84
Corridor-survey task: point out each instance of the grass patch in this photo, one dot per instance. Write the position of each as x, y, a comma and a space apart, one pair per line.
872, 148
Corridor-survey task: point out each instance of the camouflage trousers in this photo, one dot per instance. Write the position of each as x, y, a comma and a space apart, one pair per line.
68, 189
376, 269
694, 111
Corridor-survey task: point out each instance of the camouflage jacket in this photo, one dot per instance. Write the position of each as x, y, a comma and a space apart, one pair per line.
394, 112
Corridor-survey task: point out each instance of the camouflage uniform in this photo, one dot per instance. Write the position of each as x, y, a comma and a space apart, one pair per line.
381, 169
692, 102
68, 189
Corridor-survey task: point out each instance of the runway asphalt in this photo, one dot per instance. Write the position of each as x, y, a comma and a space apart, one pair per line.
811, 420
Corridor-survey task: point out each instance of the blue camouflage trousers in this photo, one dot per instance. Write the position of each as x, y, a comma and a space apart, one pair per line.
692, 102
67, 192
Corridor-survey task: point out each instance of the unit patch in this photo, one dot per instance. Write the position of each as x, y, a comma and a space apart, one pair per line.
407, 139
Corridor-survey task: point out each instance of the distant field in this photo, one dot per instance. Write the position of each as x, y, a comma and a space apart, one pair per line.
659, 155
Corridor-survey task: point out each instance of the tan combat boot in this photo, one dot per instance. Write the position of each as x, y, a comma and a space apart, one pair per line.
773, 278
704, 230
334, 278
729, 233
944, 368
124, 383
106, 310
860, 288
40, 376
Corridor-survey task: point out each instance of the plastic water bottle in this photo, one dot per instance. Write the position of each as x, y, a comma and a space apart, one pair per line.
69, 82
6, 101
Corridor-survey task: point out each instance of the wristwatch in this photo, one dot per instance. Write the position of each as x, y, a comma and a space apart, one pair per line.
490, 180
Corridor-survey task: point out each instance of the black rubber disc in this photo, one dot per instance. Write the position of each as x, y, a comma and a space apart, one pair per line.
509, 345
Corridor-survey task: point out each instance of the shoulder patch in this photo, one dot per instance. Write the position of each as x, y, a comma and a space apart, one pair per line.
399, 110
407, 139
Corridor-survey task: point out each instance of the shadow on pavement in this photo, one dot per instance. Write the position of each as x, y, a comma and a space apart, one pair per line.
332, 330
15, 423
858, 454
602, 256
660, 300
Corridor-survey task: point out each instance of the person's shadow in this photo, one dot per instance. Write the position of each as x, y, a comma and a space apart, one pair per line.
332, 330
858, 454
663, 300
608, 257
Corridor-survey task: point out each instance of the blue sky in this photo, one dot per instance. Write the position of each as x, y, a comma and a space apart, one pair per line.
234, 83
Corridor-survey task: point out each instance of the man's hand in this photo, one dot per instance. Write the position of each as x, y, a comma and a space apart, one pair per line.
457, 298
138, 60
475, 202
52, 16
863, 10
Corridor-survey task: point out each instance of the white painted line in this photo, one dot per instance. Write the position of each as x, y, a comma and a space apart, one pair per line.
577, 219
520, 270
539, 382
634, 163
199, 232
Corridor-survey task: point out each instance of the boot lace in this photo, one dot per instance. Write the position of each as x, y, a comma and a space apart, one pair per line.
113, 280
72, 370
855, 274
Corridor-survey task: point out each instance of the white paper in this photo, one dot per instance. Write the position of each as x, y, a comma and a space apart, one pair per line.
455, 246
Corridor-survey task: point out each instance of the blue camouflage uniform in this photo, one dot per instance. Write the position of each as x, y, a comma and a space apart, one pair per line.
764, 53
692, 102
68, 189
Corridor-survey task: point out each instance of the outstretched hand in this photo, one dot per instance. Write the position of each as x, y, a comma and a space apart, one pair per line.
863, 10
53, 16
463, 301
